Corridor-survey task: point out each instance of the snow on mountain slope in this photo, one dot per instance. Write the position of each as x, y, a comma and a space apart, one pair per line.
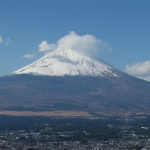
61, 62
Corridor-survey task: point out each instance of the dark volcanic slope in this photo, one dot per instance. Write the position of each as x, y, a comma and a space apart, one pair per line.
92, 94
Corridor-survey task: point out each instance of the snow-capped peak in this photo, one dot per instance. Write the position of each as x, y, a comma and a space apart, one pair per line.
61, 62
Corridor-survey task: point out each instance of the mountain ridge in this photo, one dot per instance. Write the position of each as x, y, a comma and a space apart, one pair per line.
109, 91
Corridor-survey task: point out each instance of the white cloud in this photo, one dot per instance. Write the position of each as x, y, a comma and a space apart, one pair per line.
44, 46
140, 70
1, 39
85, 44
30, 56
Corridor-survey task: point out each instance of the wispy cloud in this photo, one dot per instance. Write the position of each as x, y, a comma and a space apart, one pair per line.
30, 56
4, 41
86, 44
7, 42
140, 70
1, 39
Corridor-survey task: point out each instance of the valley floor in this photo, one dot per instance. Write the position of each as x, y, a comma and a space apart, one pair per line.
91, 133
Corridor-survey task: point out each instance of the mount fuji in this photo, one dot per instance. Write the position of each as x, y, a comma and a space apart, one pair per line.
68, 62
66, 80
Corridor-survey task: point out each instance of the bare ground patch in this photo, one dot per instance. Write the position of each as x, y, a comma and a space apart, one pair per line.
46, 113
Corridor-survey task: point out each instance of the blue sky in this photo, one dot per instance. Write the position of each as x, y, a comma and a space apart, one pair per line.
124, 25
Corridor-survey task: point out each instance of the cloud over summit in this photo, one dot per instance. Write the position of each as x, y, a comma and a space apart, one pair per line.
85, 44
